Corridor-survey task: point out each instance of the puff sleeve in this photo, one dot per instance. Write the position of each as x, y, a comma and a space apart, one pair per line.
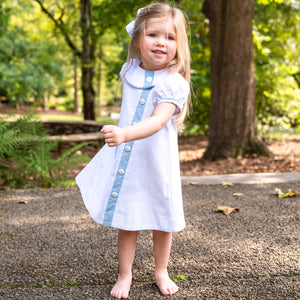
174, 89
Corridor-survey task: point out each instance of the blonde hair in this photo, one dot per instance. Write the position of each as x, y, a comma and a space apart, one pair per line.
182, 60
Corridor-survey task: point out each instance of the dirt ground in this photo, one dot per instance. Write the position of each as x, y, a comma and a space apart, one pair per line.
286, 158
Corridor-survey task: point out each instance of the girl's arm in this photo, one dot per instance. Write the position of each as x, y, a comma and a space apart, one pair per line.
162, 113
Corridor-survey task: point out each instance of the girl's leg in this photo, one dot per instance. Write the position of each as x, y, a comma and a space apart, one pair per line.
162, 247
126, 251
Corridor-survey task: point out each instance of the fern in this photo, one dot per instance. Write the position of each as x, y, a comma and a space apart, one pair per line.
26, 155
9, 139
15, 134
29, 124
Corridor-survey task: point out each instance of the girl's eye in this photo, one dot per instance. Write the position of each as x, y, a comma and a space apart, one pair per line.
152, 34
170, 38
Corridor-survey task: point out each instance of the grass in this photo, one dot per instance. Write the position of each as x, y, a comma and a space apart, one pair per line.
73, 118
281, 136
49, 283
65, 118
60, 117
278, 133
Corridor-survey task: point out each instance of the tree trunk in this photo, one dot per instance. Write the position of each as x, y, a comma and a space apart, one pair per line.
233, 130
98, 95
86, 55
99, 81
45, 98
87, 66
75, 109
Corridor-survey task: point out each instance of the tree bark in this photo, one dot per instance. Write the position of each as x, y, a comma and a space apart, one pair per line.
233, 130
99, 73
87, 57
75, 109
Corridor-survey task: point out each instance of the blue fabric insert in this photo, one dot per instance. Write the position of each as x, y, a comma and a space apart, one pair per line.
112, 201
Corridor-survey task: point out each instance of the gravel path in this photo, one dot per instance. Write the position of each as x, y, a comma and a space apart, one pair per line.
52, 249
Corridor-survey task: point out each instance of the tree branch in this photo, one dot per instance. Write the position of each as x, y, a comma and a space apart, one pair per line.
59, 25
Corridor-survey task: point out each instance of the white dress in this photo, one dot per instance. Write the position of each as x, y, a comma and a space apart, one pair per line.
136, 185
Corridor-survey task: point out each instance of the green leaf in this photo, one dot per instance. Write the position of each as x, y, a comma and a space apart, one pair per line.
265, 274
179, 277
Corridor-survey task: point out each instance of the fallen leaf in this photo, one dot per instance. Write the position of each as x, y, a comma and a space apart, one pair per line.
289, 193
23, 202
192, 183
226, 210
209, 173
227, 184
237, 194
279, 191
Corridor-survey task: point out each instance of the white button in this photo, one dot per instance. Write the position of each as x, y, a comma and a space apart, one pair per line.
142, 101
127, 148
114, 194
149, 79
121, 172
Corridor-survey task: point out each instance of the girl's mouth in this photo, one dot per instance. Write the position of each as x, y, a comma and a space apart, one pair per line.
159, 52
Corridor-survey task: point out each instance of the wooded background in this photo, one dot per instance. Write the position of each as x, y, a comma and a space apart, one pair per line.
245, 62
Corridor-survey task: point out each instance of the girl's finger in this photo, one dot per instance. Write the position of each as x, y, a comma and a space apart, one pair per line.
106, 128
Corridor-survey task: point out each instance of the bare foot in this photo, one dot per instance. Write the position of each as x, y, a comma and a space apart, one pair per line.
165, 284
121, 288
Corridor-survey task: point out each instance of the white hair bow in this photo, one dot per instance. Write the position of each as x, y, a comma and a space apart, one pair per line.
130, 26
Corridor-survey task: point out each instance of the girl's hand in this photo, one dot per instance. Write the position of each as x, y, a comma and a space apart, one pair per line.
113, 135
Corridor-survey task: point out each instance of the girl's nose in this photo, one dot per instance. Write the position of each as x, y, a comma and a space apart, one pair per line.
161, 40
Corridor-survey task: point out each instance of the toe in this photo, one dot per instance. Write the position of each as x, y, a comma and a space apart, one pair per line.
173, 290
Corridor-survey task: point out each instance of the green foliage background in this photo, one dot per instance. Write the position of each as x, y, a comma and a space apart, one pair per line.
277, 39
35, 61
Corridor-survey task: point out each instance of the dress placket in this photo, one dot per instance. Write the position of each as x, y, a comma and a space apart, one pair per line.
113, 198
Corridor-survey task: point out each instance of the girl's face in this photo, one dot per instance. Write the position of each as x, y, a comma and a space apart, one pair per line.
158, 45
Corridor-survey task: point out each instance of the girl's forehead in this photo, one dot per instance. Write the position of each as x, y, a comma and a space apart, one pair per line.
163, 23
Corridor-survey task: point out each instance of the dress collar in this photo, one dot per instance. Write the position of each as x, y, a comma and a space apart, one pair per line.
135, 76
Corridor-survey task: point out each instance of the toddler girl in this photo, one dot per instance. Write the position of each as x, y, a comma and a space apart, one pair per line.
133, 182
